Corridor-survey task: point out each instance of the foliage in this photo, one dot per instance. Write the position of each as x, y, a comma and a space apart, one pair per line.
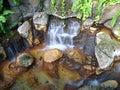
84, 9
53, 2
63, 8
3, 17
115, 18
16, 2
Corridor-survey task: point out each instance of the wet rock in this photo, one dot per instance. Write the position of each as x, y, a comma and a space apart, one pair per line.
52, 55
106, 49
89, 67
77, 55
2, 54
24, 60
40, 20
85, 41
25, 31
107, 85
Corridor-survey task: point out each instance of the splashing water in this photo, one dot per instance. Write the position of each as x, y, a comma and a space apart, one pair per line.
62, 37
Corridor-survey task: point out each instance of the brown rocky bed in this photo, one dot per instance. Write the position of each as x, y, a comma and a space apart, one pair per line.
29, 66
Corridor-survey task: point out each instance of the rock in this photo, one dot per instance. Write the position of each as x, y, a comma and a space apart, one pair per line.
52, 55
24, 60
85, 41
110, 83
40, 20
106, 49
89, 67
88, 22
107, 85
58, 10
22, 9
25, 31
2, 54
77, 55
109, 11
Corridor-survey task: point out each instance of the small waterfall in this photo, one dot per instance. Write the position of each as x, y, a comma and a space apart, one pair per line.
60, 36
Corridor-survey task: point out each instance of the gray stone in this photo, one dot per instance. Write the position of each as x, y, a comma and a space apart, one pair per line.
108, 12
25, 9
40, 20
24, 29
24, 60
106, 49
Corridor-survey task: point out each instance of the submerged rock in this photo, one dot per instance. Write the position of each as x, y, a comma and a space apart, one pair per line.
52, 55
77, 55
24, 60
40, 20
106, 49
2, 53
107, 85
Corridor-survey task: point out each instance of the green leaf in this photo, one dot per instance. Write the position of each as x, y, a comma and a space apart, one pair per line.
1, 4
114, 19
6, 12
11, 33
2, 19
17, 2
2, 29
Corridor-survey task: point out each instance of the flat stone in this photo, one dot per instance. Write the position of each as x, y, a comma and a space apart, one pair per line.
24, 60
52, 55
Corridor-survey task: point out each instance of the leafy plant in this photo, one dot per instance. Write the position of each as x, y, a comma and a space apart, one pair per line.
3, 17
63, 8
53, 2
83, 7
114, 19
17, 2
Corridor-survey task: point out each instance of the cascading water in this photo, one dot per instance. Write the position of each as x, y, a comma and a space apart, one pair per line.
60, 36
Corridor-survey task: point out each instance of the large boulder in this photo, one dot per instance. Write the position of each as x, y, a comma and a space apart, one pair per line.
58, 10
106, 49
52, 55
40, 20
